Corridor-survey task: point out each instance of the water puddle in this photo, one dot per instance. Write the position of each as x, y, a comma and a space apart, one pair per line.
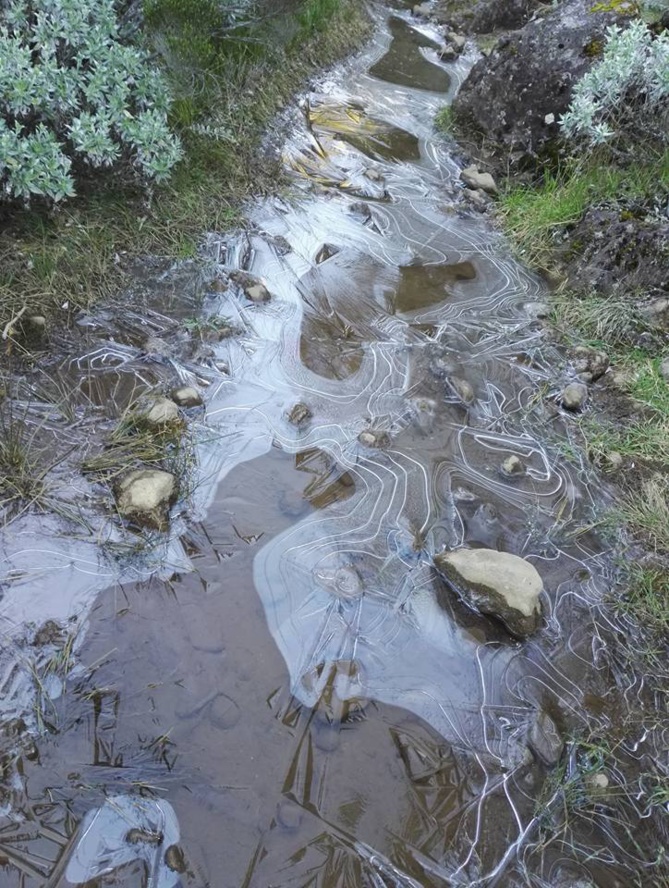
282, 691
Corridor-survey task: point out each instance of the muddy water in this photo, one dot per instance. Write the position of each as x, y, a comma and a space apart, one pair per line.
289, 696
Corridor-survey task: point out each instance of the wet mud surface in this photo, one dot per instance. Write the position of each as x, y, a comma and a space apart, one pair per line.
282, 692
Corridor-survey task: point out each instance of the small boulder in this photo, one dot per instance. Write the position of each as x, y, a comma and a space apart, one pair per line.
145, 496
186, 396
545, 740
502, 585
664, 369
472, 177
574, 396
299, 414
512, 467
160, 413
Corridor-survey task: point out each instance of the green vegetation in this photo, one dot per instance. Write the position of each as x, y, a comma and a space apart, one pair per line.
225, 92
444, 120
536, 215
84, 98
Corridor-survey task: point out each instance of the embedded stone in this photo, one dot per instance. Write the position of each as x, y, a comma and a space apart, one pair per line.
475, 179
161, 412
299, 414
258, 293
499, 584
145, 496
512, 467
371, 438
574, 396
186, 396
545, 740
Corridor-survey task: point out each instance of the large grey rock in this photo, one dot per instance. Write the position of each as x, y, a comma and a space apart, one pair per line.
486, 15
496, 583
514, 97
145, 496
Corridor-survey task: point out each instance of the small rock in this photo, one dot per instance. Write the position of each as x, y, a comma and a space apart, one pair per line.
590, 362
37, 324
162, 412
360, 208
371, 438
448, 54
545, 740
299, 415
48, 633
327, 251
145, 496
538, 310
457, 41
475, 179
597, 783
645, 341
513, 467
373, 175
613, 461
258, 293
186, 396
477, 197
422, 10
574, 396
500, 584
175, 859
664, 369
463, 389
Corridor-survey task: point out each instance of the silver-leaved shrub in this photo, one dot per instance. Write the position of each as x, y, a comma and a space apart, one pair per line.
72, 94
626, 91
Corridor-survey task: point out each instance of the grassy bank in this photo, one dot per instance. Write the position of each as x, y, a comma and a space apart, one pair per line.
226, 94
630, 412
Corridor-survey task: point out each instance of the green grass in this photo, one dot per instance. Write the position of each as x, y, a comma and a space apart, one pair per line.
444, 121
534, 215
75, 257
646, 596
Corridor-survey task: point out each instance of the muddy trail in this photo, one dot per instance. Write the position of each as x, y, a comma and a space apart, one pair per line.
281, 691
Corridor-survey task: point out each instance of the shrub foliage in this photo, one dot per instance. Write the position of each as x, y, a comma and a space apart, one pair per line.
626, 93
73, 95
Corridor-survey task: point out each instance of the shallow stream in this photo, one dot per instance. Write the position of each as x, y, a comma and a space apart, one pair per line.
284, 693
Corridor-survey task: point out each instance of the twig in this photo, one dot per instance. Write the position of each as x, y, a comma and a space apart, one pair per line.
9, 326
